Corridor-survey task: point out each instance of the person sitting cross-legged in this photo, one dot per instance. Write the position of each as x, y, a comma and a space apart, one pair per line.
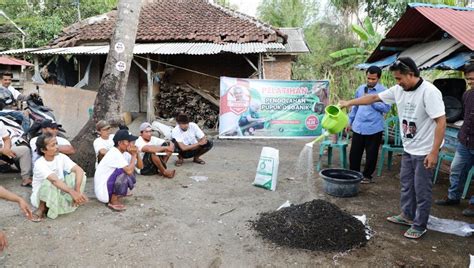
189, 140
115, 174
149, 146
58, 182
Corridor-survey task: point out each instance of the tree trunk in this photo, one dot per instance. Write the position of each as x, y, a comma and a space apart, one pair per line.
108, 103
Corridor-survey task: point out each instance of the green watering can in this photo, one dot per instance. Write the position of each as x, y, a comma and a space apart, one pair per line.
334, 121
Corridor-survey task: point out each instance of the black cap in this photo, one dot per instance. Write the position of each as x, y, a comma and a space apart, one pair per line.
123, 135
50, 124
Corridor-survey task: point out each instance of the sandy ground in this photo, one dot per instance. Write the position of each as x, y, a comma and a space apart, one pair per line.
176, 223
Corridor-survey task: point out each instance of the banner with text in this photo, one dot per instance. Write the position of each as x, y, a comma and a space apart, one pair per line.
251, 108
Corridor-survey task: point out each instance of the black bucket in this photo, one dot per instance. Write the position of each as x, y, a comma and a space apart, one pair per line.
341, 182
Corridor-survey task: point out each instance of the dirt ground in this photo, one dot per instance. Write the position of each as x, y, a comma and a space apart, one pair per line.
176, 223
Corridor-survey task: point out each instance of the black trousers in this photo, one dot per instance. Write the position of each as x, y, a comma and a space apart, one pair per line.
369, 143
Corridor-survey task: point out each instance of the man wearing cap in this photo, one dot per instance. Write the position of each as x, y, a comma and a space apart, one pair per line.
148, 146
115, 174
13, 152
48, 126
104, 142
420, 103
189, 140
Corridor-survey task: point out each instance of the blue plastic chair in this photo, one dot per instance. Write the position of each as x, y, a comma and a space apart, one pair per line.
468, 182
447, 152
341, 145
443, 155
390, 124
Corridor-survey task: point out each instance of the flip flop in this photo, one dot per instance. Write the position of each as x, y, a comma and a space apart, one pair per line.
36, 217
399, 219
413, 233
172, 176
116, 208
366, 181
199, 161
26, 184
178, 162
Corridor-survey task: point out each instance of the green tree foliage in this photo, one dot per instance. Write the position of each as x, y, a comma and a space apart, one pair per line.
353, 55
43, 20
288, 13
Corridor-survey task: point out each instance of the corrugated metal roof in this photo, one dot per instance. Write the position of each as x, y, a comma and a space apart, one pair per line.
12, 61
458, 23
163, 49
295, 41
423, 23
424, 53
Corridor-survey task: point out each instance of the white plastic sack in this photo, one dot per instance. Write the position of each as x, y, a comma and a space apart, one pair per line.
163, 129
459, 228
471, 265
267, 169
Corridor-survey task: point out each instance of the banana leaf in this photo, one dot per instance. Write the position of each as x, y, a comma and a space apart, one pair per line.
360, 32
347, 52
369, 27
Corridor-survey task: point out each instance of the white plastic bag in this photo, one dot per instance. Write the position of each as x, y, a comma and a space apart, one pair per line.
267, 169
450, 226
163, 129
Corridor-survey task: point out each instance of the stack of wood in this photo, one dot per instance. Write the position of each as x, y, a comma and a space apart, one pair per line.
201, 107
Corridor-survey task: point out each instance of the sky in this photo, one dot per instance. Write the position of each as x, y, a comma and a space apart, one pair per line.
249, 7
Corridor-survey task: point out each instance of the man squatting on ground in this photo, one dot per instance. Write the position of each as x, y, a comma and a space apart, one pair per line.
189, 140
420, 102
148, 146
115, 174
464, 156
367, 124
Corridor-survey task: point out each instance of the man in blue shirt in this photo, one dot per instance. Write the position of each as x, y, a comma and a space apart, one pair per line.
367, 124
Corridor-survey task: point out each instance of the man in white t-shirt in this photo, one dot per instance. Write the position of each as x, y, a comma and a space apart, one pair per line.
420, 104
13, 152
189, 140
48, 126
104, 142
115, 174
148, 146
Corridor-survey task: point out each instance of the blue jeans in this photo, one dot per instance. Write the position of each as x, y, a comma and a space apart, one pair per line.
462, 163
20, 116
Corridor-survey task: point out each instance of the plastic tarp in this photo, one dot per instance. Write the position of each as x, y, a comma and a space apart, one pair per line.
455, 62
381, 63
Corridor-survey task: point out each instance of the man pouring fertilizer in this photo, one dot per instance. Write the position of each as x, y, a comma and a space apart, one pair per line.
420, 103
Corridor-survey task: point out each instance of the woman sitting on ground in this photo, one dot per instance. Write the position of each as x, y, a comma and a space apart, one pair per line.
58, 183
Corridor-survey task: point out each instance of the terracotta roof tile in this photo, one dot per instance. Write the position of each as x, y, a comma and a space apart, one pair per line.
176, 20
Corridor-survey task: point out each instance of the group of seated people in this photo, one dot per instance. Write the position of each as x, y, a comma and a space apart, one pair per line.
58, 183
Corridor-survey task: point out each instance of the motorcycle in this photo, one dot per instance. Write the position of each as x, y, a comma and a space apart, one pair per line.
38, 112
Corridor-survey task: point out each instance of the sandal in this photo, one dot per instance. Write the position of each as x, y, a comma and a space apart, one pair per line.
28, 184
179, 162
35, 217
366, 181
399, 219
116, 208
414, 234
199, 161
